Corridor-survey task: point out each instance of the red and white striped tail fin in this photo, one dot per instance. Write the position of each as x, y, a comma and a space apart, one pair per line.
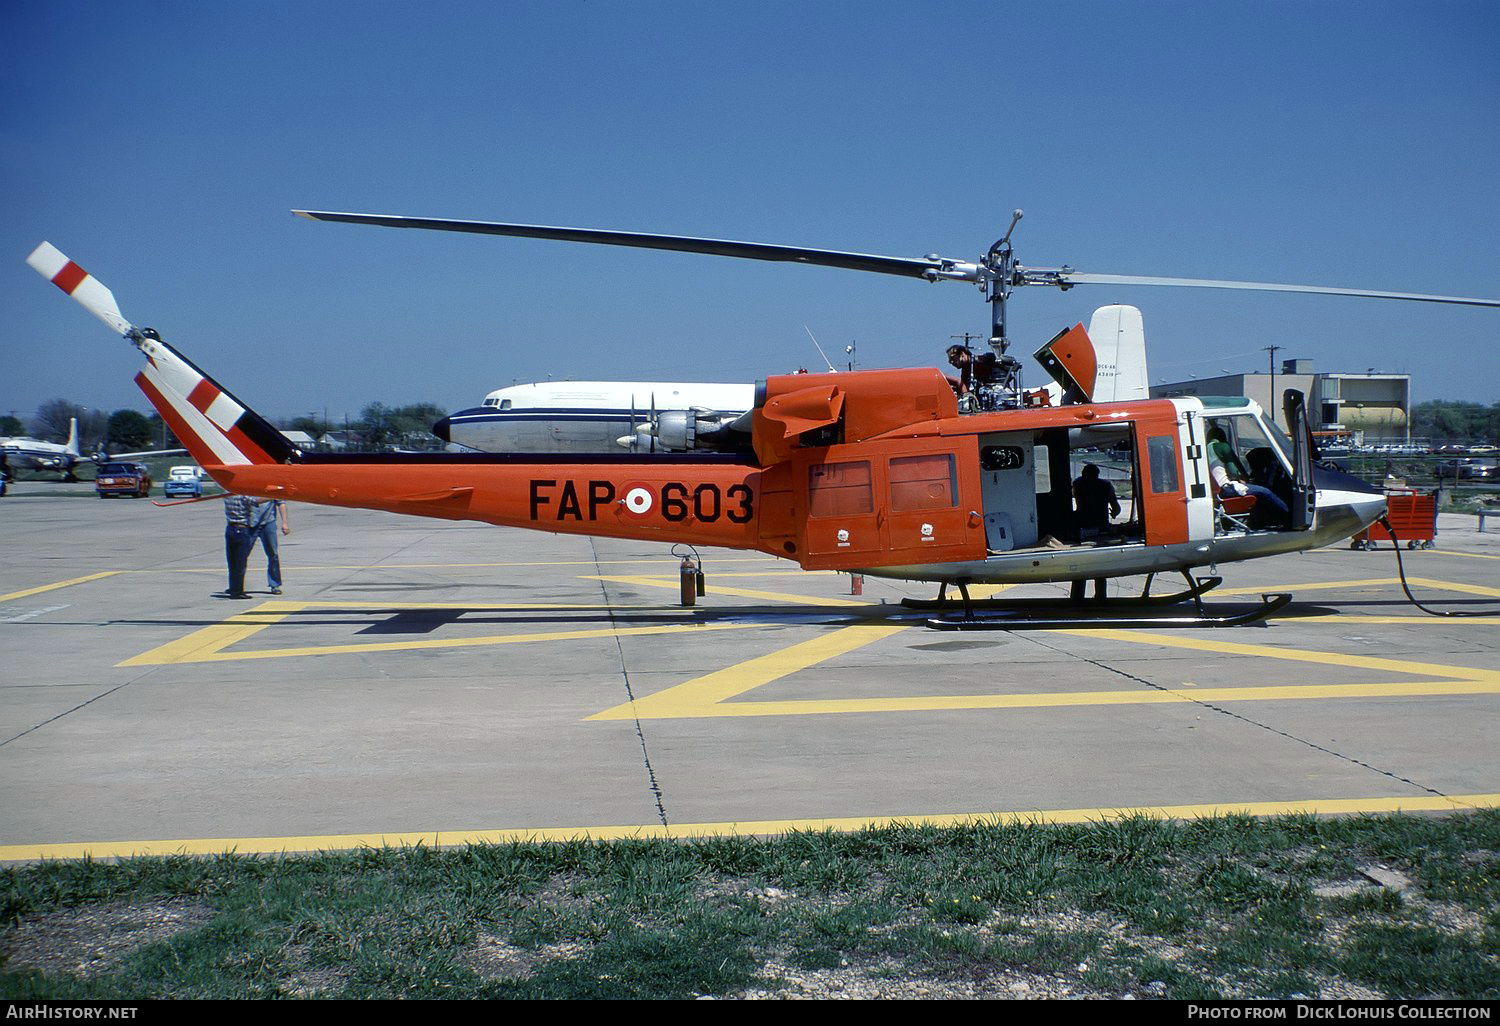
215, 427
78, 283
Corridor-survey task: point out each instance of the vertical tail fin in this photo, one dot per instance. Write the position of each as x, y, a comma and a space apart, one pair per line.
216, 428
72, 447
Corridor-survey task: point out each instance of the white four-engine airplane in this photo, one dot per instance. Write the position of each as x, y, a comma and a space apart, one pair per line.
677, 417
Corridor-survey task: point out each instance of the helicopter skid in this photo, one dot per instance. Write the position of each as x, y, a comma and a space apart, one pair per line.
1081, 619
1197, 587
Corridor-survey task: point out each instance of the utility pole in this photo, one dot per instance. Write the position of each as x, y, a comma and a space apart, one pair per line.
1272, 351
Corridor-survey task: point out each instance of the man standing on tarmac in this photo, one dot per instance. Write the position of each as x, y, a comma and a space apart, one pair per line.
247, 521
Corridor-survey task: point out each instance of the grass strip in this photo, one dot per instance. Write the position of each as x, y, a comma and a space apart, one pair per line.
1297, 906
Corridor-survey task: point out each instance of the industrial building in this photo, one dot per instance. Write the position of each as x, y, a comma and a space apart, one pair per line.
1365, 408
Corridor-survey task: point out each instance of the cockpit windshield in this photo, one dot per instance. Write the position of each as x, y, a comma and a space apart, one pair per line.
1252, 430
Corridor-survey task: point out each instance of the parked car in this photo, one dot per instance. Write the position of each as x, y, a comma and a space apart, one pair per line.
184, 481
1468, 469
123, 479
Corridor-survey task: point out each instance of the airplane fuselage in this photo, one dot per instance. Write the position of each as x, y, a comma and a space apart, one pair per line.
580, 416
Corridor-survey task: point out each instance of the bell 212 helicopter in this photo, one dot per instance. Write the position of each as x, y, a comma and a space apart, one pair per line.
897, 473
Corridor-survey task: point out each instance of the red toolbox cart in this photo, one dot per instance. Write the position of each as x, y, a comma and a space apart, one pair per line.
1413, 517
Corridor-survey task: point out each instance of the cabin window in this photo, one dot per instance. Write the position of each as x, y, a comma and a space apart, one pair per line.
840, 489
1162, 452
923, 482
505, 404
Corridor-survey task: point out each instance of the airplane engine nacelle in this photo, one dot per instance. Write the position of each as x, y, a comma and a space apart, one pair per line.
687, 430
677, 430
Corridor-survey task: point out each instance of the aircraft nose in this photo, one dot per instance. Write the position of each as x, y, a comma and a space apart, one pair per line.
1348, 496
1329, 478
441, 428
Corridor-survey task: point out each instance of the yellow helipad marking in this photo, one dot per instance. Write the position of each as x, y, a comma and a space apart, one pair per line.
59, 584
209, 644
1353, 618
748, 828
1298, 655
720, 693
703, 695
714, 694
1395, 582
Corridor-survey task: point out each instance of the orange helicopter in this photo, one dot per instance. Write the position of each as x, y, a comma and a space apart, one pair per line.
897, 473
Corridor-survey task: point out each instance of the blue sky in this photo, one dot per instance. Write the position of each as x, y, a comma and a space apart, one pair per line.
161, 145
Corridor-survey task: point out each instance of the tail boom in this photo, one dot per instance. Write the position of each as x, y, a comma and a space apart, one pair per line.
701, 503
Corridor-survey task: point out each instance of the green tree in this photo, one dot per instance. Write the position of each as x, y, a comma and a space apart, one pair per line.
11, 426
129, 429
161, 435
1446, 420
375, 424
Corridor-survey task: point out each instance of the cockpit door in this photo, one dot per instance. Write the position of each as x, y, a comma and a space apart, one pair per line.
1304, 495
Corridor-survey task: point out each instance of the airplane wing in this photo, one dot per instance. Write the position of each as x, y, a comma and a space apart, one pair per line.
104, 456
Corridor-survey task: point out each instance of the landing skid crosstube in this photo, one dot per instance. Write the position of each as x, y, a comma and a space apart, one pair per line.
1062, 614
1196, 587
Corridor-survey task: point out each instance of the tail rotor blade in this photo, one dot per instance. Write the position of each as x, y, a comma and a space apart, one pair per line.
82, 286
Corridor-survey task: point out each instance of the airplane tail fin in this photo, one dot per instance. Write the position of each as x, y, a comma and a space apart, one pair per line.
214, 426
72, 447
1119, 337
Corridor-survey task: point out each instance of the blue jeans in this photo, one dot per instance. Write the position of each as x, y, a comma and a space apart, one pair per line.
266, 533
238, 542
1269, 511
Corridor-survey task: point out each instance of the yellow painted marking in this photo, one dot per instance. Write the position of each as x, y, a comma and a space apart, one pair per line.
359, 604
1295, 654
654, 561
204, 645
770, 596
689, 706
747, 828
1467, 589
1380, 582
1320, 586
710, 695
59, 584
1480, 621
1465, 555
208, 644
703, 695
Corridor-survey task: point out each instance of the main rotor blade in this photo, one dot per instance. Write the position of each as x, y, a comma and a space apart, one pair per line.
910, 267
1067, 278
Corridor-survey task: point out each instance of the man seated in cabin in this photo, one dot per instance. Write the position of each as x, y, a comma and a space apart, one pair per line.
1266, 472
1095, 501
1270, 512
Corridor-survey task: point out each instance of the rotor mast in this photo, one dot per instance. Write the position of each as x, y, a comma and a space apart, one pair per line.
999, 278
